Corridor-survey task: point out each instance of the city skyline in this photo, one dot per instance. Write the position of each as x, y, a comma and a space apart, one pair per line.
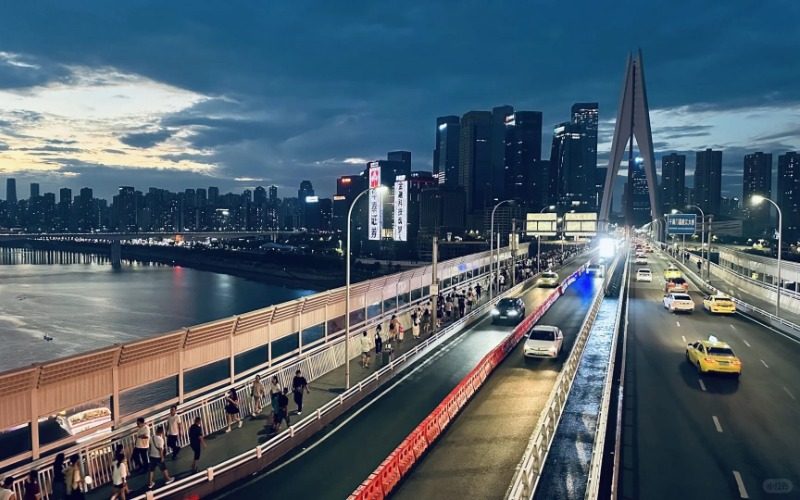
222, 107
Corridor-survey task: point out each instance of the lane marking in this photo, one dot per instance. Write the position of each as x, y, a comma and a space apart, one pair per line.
740, 484
786, 389
733, 327
746, 343
678, 323
702, 385
716, 423
770, 328
683, 338
764, 363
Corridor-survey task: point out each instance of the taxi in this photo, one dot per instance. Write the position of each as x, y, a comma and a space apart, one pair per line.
713, 356
719, 304
672, 272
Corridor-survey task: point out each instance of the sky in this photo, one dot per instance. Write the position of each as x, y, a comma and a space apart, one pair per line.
238, 94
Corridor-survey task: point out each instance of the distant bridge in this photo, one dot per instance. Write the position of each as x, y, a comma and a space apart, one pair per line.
120, 236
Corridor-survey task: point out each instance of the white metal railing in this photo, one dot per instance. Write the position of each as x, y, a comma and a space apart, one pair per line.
593, 481
529, 469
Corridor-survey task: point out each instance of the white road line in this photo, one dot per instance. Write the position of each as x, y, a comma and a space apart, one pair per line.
740, 484
716, 423
786, 389
746, 343
733, 327
764, 363
683, 338
678, 323
702, 385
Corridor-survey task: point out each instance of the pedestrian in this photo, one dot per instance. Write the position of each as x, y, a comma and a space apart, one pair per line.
196, 441
59, 480
448, 308
699, 266
257, 393
378, 341
365, 347
232, 409
299, 387
415, 329
393, 328
157, 456
274, 391
142, 444
174, 428
119, 478
400, 332
478, 291
283, 410
426, 319
74, 477
32, 489
7, 489
462, 305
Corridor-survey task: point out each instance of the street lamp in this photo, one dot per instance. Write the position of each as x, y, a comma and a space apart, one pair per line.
539, 242
702, 235
380, 189
756, 200
491, 252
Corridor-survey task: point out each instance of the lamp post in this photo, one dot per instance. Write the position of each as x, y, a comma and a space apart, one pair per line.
491, 250
756, 200
539, 242
382, 189
702, 233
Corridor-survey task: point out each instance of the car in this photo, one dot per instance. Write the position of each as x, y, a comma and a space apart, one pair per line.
640, 260
639, 253
543, 341
649, 249
719, 303
644, 274
549, 279
678, 302
598, 270
676, 285
672, 272
508, 310
713, 356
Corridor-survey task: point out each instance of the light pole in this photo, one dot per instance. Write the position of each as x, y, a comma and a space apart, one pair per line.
491, 251
382, 189
756, 200
539, 242
702, 234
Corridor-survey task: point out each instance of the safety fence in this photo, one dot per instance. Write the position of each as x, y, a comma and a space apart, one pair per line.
529, 470
390, 472
98, 454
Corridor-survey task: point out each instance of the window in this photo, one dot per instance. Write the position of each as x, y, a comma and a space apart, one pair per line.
250, 359
285, 345
206, 375
140, 398
313, 334
374, 310
542, 335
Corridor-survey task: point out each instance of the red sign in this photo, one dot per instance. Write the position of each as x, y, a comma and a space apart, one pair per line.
374, 175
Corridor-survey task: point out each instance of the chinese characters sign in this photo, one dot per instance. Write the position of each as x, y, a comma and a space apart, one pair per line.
375, 212
400, 232
681, 224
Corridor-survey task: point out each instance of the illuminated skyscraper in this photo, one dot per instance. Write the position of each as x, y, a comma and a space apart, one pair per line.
708, 181
585, 116
524, 177
445, 154
474, 155
570, 188
789, 194
673, 182
757, 179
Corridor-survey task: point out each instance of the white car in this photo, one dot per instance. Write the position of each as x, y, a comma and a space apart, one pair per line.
644, 275
678, 302
596, 269
548, 279
543, 341
640, 260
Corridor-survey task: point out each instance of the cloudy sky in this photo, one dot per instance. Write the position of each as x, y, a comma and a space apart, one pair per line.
238, 94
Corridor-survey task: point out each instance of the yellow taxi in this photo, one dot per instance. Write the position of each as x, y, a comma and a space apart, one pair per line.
719, 304
672, 272
713, 356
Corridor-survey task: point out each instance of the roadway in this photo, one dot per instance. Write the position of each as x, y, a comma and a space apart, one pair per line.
477, 455
709, 437
333, 463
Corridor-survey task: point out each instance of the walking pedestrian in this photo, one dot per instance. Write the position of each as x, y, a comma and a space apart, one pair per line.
283, 410
365, 347
7, 489
462, 305
274, 391
257, 393
448, 308
415, 329
142, 444
32, 489
232, 411
393, 328
74, 477
59, 479
299, 387
157, 458
426, 319
378, 341
196, 441
174, 428
119, 478
478, 291
400, 332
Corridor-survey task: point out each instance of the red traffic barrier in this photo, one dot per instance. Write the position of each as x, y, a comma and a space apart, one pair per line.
431, 429
369, 490
418, 442
389, 474
405, 456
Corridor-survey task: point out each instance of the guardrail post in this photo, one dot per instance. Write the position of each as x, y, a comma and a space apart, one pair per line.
210, 474
258, 452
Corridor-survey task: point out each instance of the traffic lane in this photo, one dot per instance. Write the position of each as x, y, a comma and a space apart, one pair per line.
754, 416
332, 464
477, 455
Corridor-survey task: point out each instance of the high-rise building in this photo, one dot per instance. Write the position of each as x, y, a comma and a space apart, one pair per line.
570, 186
273, 193
306, 189
525, 180
403, 157
213, 196
673, 182
474, 156
585, 115
11, 191
445, 154
124, 209
637, 197
757, 180
789, 194
34, 190
708, 181
497, 188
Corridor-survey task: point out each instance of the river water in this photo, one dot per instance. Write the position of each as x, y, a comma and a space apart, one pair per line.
83, 303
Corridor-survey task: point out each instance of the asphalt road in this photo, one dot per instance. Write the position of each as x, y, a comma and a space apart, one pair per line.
333, 463
709, 437
478, 453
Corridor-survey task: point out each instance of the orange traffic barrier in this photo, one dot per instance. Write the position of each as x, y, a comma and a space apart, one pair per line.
389, 474
431, 429
418, 442
405, 456
369, 490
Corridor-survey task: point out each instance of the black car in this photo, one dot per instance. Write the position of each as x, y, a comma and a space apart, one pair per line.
509, 310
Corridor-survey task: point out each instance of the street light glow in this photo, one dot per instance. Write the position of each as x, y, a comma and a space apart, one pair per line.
675, 211
756, 199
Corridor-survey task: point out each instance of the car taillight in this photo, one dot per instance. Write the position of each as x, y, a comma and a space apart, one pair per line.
709, 360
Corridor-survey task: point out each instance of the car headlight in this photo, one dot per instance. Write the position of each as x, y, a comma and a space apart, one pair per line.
512, 313
495, 312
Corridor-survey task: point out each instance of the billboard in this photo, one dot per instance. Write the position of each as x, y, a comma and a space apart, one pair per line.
374, 174
580, 224
400, 226
681, 224
375, 213
541, 224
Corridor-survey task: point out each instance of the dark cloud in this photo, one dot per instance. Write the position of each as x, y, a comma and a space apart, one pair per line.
146, 139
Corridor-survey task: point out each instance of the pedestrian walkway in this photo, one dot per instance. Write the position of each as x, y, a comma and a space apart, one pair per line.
222, 446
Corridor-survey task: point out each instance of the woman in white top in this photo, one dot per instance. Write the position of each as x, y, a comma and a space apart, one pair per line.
6, 489
257, 392
119, 478
366, 345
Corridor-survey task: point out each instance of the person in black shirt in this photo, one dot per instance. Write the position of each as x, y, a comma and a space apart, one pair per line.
283, 410
300, 386
196, 441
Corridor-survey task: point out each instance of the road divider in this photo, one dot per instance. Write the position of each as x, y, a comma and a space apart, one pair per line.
390, 472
